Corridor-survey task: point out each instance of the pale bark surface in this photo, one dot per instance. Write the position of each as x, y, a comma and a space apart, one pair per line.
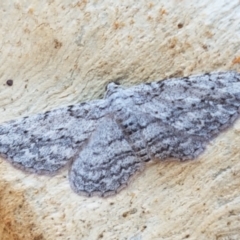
63, 52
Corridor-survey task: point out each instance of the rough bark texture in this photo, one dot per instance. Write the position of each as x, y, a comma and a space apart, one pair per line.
62, 52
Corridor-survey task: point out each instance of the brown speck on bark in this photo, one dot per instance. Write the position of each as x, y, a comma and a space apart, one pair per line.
9, 82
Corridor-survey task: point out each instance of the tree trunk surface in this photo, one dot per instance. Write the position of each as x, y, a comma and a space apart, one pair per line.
59, 53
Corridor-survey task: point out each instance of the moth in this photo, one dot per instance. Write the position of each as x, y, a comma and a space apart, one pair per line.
105, 142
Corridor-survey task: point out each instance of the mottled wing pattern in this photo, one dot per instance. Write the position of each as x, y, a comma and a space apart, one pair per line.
177, 117
107, 141
46, 142
106, 163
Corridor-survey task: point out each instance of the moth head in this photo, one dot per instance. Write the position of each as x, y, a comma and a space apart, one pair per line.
112, 88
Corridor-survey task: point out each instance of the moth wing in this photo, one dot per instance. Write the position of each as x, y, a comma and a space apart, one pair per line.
106, 163
177, 117
44, 143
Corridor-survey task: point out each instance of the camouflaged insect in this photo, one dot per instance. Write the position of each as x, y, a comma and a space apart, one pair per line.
105, 142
